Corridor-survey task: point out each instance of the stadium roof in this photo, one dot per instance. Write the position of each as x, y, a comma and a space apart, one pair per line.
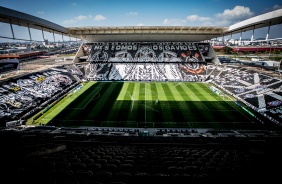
22, 19
141, 33
264, 20
147, 33
174, 33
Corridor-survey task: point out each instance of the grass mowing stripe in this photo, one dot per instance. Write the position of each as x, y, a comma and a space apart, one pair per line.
199, 111
133, 105
214, 114
221, 102
220, 108
140, 116
123, 95
138, 104
165, 108
162, 101
156, 104
233, 112
179, 100
207, 93
149, 103
79, 116
81, 101
119, 109
239, 110
103, 106
176, 111
86, 111
229, 113
187, 103
60, 106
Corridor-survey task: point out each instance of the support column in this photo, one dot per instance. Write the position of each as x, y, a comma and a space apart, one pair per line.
252, 38
12, 29
54, 36
266, 38
42, 34
29, 31
240, 38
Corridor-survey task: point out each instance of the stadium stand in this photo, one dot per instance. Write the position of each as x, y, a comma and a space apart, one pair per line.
24, 96
96, 154
147, 62
108, 155
259, 91
72, 155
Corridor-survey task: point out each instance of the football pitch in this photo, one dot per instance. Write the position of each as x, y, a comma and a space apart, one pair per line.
147, 104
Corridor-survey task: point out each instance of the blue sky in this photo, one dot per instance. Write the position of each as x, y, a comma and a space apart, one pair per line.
77, 13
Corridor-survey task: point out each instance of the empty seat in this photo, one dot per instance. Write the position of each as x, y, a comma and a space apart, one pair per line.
83, 175
125, 168
110, 167
122, 177
103, 176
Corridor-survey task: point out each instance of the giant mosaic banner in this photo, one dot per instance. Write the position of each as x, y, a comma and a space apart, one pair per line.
148, 52
20, 95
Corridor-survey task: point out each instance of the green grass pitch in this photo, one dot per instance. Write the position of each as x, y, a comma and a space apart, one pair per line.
147, 104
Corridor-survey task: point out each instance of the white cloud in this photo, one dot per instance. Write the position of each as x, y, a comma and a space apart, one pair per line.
207, 24
232, 16
276, 7
76, 19
199, 21
99, 17
196, 18
140, 24
226, 18
223, 22
237, 13
83, 18
132, 13
174, 22
69, 21
40, 12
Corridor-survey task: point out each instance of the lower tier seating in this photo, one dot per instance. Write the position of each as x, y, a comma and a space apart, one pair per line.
112, 159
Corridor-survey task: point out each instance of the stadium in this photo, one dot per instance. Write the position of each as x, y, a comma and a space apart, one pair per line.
140, 105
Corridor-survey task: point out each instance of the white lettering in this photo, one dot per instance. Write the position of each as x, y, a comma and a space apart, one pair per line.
155, 47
